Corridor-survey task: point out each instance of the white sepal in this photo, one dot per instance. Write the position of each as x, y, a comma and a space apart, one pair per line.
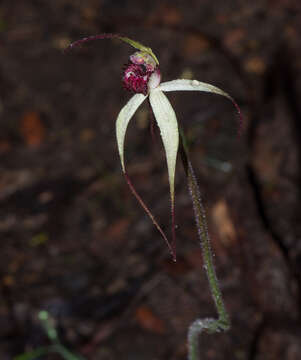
191, 85
123, 120
167, 122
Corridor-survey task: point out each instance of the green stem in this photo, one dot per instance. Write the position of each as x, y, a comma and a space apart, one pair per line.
209, 324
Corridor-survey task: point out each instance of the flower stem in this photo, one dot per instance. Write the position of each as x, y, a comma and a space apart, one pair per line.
209, 325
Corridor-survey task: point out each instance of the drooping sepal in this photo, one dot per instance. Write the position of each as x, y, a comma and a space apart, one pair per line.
123, 119
168, 125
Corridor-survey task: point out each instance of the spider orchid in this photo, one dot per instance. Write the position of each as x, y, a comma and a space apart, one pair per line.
143, 78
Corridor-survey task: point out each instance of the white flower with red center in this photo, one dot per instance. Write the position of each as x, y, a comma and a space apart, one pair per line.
142, 77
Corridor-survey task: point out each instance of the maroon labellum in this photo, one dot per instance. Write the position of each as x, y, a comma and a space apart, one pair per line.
138, 72
135, 78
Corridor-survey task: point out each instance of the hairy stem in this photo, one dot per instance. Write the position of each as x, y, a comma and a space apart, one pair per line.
209, 325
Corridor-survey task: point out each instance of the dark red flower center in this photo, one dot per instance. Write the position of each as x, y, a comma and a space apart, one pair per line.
135, 78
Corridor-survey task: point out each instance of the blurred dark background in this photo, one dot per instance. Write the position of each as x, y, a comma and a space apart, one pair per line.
75, 242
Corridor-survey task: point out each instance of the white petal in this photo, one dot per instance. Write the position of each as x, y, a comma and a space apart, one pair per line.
191, 85
123, 120
167, 122
194, 85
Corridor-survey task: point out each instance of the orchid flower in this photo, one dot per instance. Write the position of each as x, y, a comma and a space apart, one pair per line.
143, 78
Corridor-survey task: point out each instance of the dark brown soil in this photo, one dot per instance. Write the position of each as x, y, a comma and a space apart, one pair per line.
75, 242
